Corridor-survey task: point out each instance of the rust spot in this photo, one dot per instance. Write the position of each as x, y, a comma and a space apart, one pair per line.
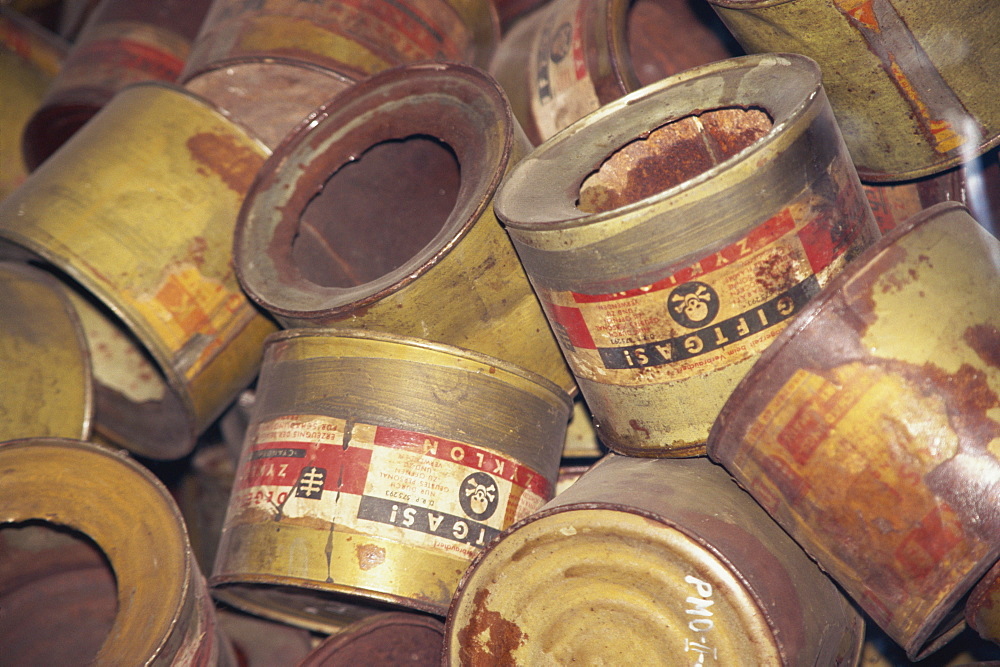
369, 556
774, 273
636, 426
236, 165
196, 250
669, 155
985, 340
489, 638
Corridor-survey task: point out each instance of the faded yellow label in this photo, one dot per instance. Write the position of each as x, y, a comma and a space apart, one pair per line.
441, 495
564, 91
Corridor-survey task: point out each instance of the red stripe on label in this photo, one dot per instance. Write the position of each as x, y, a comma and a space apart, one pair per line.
828, 236
129, 55
762, 235
572, 322
346, 470
464, 455
579, 61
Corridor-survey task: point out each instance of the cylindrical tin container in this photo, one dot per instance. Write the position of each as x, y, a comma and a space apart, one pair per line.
260, 642
165, 615
913, 87
570, 57
391, 638
47, 387
57, 594
375, 468
30, 58
376, 214
139, 210
658, 562
982, 611
271, 62
869, 428
727, 201
123, 42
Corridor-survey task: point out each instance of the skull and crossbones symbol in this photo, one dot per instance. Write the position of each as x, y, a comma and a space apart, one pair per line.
694, 305
480, 496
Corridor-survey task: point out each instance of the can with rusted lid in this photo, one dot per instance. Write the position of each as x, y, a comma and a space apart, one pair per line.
913, 87
390, 638
164, 613
982, 611
671, 234
375, 468
138, 211
47, 387
376, 214
869, 428
30, 58
653, 562
123, 42
570, 57
271, 62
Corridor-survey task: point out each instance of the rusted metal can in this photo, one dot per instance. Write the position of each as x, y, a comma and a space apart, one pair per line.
123, 42
650, 562
47, 387
391, 638
164, 614
868, 428
570, 57
30, 58
374, 469
727, 202
913, 87
376, 213
272, 62
138, 210
982, 611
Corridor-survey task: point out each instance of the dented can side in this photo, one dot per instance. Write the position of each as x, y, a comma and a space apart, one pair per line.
667, 267
634, 562
871, 433
374, 469
150, 242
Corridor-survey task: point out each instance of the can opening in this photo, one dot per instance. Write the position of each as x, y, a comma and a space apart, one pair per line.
58, 592
376, 211
695, 36
671, 154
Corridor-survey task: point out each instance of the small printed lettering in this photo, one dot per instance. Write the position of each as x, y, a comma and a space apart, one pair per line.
421, 519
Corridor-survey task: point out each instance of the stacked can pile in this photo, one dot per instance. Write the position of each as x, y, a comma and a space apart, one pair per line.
364, 284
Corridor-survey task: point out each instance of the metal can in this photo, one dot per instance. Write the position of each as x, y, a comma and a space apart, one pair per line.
374, 469
570, 57
982, 611
376, 214
30, 58
390, 638
679, 259
912, 86
122, 42
48, 384
164, 613
272, 62
868, 428
138, 211
647, 561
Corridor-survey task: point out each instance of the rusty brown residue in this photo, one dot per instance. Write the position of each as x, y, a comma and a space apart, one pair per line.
774, 273
489, 638
985, 340
369, 556
236, 165
670, 155
636, 426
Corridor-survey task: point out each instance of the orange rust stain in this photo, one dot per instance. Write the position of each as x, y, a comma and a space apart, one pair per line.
943, 136
636, 426
489, 638
861, 11
369, 556
236, 165
985, 340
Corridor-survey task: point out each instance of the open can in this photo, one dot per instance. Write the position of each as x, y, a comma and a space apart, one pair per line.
671, 234
137, 214
374, 469
870, 429
654, 562
376, 213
